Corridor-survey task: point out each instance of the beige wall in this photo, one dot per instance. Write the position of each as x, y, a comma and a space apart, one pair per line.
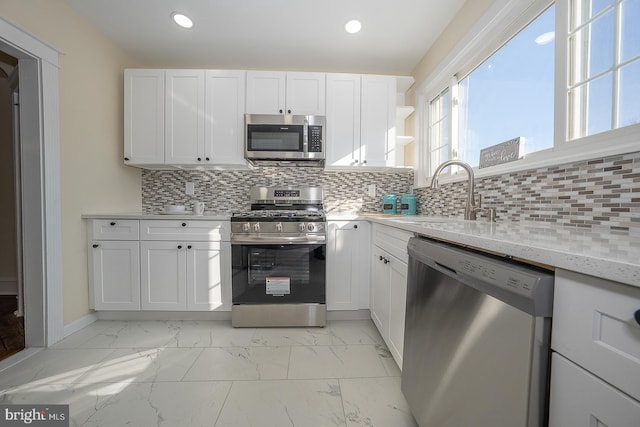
93, 177
469, 14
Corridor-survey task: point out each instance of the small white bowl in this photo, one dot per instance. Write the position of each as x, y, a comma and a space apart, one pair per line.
174, 208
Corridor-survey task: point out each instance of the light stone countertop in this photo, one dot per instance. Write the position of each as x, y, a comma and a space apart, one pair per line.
612, 255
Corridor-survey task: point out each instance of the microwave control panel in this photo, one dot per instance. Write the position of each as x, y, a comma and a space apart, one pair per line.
315, 139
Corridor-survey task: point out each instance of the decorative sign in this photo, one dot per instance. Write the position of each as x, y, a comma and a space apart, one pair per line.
278, 286
502, 153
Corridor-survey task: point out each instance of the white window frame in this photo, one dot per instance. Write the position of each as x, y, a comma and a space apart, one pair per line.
503, 20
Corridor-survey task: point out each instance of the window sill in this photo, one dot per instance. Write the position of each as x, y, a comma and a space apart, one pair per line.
606, 144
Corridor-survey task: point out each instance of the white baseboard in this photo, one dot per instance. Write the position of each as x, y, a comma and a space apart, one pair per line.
8, 286
163, 315
78, 324
19, 357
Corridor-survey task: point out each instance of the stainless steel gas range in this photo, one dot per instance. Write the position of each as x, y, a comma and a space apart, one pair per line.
278, 258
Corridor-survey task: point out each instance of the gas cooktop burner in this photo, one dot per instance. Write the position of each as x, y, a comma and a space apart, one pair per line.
267, 215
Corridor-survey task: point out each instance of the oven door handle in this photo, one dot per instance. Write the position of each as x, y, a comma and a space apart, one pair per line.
308, 239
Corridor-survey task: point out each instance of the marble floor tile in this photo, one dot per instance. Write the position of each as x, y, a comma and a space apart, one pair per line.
171, 404
291, 336
345, 332
240, 363
135, 334
375, 402
351, 361
212, 334
78, 339
308, 403
143, 365
389, 363
53, 366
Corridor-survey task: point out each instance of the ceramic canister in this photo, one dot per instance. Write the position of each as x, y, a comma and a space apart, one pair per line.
408, 204
390, 204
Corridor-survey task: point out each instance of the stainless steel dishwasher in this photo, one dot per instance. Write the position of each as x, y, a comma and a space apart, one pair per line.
476, 344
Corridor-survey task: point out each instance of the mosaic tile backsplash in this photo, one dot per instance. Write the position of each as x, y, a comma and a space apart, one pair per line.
228, 191
601, 192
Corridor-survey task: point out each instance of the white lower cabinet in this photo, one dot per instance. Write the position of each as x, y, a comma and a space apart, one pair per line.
389, 269
115, 275
169, 265
580, 399
595, 372
163, 275
348, 265
208, 280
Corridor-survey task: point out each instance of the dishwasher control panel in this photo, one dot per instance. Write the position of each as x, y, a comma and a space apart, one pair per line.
498, 275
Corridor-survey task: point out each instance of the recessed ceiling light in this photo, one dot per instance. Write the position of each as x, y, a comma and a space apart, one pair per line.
353, 26
182, 20
545, 38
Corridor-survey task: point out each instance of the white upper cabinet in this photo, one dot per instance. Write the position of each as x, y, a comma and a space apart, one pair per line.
306, 94
144, 117
378, 113
224, 117
184, 117
279, 92
343, 119
361, 120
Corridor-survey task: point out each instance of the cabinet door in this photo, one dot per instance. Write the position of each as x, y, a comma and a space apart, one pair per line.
580, 399
398, 272
144, 117
208, 276
184, 117
378, 120
163, 275
347, 269
380, 291
224, 113
594, 325
305, 94
343, 119
266, 92
115, 275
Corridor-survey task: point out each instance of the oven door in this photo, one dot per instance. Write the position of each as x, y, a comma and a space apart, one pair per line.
278, 273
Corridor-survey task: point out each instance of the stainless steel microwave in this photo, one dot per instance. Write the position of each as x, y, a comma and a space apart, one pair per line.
286, 140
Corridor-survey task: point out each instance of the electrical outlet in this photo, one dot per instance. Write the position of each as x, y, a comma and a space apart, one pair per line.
372, 190
190, 189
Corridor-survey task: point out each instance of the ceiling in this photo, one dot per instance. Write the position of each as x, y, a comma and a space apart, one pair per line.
300, 35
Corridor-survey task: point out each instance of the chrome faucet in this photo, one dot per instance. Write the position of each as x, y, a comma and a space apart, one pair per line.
470, 207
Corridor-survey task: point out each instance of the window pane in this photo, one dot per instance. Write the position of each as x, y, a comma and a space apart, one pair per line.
439, 124
600, 107
510, 94
629, 109
630, 29
601, 43
598, 5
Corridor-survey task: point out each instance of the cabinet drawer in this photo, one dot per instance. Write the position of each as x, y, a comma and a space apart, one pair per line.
594, 326
392, 240
115, 229
184, 230
580, 399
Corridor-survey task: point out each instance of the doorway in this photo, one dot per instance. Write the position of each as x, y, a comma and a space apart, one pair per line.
39, 194
12, 339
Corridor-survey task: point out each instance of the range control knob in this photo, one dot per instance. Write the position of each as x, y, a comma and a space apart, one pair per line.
279, 227
256, 227
302, 226
246, 227
311, 227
